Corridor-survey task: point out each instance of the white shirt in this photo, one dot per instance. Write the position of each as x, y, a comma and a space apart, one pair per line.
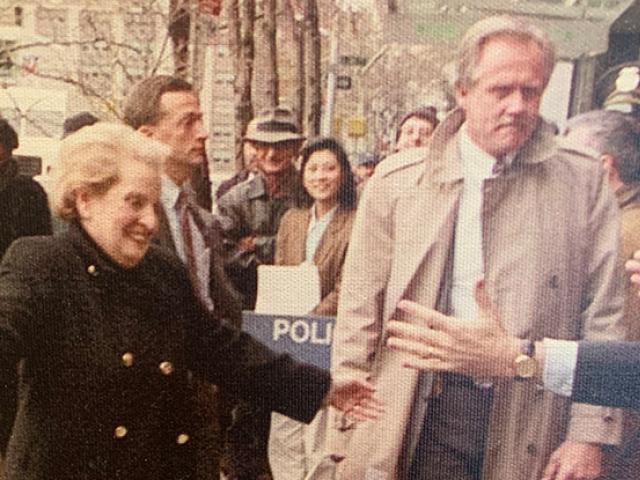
317, 227
468, 265
560, 360
477, 165
168, 197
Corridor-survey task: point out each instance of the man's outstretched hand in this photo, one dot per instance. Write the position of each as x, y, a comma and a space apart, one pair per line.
443, 343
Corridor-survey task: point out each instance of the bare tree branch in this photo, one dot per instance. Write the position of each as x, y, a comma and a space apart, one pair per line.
68, 43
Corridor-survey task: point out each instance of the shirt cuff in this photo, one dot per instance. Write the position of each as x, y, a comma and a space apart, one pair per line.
560, 358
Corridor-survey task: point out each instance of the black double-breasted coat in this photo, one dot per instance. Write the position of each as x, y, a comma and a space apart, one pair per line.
107, 355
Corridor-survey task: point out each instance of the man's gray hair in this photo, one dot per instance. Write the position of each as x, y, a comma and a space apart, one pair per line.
480, 33
611, 133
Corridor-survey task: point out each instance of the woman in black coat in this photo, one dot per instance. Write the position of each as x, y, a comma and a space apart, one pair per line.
110, 330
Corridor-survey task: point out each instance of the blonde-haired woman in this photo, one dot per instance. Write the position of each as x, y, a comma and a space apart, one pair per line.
109, 328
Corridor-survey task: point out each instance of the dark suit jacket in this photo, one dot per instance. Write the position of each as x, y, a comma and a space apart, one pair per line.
224, 296
107, 355
329, 256
608, 373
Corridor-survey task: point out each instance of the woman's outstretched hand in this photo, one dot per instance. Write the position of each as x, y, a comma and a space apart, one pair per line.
355, 398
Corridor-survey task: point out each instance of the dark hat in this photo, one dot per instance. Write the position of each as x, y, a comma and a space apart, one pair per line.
273, 126
8, 136
367, 158
76, 122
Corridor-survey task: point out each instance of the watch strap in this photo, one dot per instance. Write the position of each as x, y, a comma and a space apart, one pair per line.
528, 347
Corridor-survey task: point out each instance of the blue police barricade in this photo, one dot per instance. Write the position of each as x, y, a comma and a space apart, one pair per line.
305, 337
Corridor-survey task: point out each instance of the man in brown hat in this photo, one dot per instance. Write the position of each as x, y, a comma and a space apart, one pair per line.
254, 207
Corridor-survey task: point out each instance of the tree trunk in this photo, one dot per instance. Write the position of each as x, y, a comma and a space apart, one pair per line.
298, 71
179, 31
241, 15
271, 52
313, 71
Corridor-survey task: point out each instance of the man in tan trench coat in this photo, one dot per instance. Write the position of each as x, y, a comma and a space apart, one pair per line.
492, 195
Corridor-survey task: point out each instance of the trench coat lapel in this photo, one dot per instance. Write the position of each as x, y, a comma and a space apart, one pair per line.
428, 214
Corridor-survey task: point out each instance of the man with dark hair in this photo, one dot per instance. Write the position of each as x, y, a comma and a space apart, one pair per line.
76, 122
614, 138
143, 105
24, 209
254, 209
365, 166
167, 109
416, 127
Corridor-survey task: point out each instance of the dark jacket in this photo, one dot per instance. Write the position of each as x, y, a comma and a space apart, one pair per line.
107, 355
249, 210
224, 296
608, 373
228, 184
24, 210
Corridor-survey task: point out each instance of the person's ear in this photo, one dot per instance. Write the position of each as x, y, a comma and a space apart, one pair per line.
83, 203
460, 92
146, 130
609, 163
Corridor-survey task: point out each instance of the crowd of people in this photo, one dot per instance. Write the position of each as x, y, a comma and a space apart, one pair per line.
480, 262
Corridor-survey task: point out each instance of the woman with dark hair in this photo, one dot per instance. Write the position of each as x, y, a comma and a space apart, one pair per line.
316, 230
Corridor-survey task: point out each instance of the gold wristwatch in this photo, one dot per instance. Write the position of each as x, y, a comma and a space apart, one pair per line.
525, 365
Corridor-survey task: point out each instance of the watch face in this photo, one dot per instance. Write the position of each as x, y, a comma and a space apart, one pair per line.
525, 366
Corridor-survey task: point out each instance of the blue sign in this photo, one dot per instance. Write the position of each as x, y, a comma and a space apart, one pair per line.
305, 337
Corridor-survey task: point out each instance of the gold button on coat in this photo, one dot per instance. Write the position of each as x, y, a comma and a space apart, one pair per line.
182, 439
120, 431
166, 368
92, 270
127, 359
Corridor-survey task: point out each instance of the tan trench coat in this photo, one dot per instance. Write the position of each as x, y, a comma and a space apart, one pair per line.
550, 239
